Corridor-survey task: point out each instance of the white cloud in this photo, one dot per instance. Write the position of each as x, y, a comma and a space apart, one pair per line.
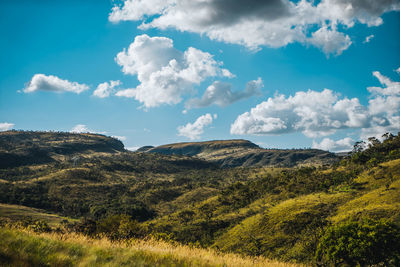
330, 41
313, 113
384, 107
381, 126
195, 130
255, 23
133, 148
80, 128
323, 113
138, 9
220, 93
105, 89
164, 73
392, 88
342, 145
5, 126
368, 38
41, 82
119, 137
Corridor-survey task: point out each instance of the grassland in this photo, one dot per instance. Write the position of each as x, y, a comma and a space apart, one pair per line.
23, 248
19, 213
274, 212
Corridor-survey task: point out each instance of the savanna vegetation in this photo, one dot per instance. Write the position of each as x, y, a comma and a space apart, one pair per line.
335, 214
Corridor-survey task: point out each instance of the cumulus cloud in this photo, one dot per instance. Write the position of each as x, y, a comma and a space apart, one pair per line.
80, 128
105, 89
255, 23
195, 130
342, 145
368, 38
133, 148
165, 73
119, 137
313, 113
330, 41
5, 126
138, 9
220, 93
391, 88
323, 113
41, 82
384, 107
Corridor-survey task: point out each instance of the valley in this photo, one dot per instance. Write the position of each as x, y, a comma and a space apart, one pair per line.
228, 196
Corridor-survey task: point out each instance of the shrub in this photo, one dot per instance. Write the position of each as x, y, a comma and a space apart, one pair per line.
360, 243
118, 227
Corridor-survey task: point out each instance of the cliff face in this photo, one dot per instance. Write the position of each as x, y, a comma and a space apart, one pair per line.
234, 153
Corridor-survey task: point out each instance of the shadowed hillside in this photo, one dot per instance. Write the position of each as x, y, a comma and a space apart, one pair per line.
18, 148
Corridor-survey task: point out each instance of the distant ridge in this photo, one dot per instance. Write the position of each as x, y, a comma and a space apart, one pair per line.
240, 152
18, 148
195, 148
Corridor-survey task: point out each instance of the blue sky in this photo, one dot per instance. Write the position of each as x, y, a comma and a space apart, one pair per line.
265, 74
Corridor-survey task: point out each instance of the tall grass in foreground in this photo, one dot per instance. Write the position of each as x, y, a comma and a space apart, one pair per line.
24, 248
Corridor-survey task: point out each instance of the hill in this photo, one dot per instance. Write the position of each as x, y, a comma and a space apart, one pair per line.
294, 214
15, 213
235, 153
22, 248
18, 148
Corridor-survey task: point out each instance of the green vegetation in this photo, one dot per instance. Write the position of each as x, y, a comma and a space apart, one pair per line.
22, 248
296, 214
360, 243
22, 213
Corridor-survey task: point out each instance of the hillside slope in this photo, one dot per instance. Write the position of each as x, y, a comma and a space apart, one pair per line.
283, 213
18, 148
235, 153
22, 248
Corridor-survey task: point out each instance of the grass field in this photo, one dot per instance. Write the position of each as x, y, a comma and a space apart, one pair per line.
23, 248
18, 212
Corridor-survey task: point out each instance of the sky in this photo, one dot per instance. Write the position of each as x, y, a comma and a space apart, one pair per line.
282, 74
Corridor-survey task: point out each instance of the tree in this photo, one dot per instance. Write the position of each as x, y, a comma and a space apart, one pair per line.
360, 243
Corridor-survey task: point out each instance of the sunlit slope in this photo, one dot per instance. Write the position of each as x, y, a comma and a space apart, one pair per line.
238, 152
20, 248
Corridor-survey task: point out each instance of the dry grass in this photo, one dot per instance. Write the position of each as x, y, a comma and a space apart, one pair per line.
102, 252
18, 212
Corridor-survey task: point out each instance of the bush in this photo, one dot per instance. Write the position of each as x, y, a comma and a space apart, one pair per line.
118, 227
39, 227
360, 243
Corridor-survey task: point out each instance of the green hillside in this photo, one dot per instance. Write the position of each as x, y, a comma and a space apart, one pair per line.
22, 248
335, 214
19, 148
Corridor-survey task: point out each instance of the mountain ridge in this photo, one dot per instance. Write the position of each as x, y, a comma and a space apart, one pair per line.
19, 148
240, 152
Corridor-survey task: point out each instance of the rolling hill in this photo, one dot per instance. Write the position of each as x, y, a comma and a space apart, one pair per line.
18, 148
185, 194
236, 153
